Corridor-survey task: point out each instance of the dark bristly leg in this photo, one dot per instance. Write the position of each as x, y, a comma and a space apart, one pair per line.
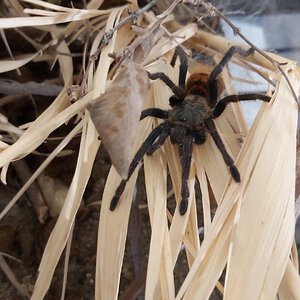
220, 107
174, 58
156, 132
183, 65
212, 81
154, 112
161, 139
177, 90
210, 125
185, 153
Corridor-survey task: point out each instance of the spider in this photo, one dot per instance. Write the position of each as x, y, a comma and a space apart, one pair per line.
194, 106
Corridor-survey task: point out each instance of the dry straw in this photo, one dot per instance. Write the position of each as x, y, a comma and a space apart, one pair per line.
252, 231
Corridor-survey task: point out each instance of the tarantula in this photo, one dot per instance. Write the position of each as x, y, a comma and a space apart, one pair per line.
194, 105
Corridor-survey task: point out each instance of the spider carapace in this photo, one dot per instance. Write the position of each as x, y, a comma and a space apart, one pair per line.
194, 106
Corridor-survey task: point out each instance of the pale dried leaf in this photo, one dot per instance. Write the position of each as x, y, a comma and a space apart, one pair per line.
9, 65
59, 236
289, 286
264, 231
259, 206
116, 114
40, 169
58, 18
48, 5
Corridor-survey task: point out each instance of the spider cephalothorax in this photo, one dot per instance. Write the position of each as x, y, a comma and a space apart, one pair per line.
194, 105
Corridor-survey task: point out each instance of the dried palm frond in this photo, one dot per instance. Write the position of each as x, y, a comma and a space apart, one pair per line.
248, 238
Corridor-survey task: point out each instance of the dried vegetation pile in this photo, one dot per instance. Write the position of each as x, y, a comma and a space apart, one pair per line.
246, 249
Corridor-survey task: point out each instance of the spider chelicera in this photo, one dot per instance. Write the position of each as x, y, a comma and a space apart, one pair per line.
194, 106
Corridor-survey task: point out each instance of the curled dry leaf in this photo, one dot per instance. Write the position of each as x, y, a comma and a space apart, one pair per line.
116, 114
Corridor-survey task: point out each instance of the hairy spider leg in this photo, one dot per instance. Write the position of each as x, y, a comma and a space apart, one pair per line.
185, 153
174, 58
211, 127
177, 90
154, 112
183, 67
155, 133
161, 139
220, 107
212, 80
161, 114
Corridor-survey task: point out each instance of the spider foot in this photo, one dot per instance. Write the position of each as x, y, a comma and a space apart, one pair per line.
116, 198
250, 51
235, 173
183, 206
114, 202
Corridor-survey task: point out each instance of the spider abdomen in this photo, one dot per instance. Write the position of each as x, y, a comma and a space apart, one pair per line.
197, 84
